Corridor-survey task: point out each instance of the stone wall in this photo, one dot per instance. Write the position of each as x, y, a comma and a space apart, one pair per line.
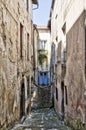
12, 67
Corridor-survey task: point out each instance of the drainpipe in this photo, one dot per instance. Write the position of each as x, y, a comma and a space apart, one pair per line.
33, 55
34, 68
34, 26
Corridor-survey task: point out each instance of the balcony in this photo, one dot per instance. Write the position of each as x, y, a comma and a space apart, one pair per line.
42, 51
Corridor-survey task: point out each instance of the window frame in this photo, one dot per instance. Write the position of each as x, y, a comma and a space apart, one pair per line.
28, 44
21, 41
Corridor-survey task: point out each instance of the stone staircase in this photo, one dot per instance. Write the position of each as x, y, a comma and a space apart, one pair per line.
41, 97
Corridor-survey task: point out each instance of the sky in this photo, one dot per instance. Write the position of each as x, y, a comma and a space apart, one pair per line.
41, 15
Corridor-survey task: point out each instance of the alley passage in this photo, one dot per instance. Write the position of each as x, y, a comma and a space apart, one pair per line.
42, 119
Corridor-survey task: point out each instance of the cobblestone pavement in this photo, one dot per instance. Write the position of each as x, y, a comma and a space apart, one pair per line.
42, 119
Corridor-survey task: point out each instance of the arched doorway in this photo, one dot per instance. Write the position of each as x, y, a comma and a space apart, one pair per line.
22, 100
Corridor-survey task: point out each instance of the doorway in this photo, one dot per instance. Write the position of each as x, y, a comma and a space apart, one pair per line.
22, 100
62, 101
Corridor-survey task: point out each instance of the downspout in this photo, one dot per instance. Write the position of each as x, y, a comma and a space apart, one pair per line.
34, 68
33, 55
34, 26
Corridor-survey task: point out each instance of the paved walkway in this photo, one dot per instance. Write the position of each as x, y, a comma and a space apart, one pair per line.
42, 119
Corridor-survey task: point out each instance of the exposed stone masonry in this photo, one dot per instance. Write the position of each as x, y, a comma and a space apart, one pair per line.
12, 67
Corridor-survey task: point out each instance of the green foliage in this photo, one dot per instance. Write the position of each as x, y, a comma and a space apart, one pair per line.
75, 124
41, 50
42, 58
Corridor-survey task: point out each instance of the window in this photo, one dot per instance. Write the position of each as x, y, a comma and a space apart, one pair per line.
57, 94
28, 87
64, 57
32, 59
59, 52
27, 5
21, 40
45, 74
66, 99
41, 74
43, 44
28, 46
64, 28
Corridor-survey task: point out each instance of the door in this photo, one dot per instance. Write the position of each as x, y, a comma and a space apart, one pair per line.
40, 78
62, 101
22, 101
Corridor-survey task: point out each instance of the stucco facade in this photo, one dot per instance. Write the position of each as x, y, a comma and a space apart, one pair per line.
42, 89
68, 34
44, 36
16, 51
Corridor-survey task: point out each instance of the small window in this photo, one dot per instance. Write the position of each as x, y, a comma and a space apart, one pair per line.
57, 94
21, 40
64, 56
44, 73
41, 74
43, 44
28, 87
66, 98
32, 59
27, 46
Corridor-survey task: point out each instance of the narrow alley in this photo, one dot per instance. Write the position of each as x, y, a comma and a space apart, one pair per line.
43, 115
42, 64
42, 119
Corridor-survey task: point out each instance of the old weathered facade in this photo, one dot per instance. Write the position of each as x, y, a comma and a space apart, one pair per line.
44, 51
68, 33
43, 54
42, 90
16, 52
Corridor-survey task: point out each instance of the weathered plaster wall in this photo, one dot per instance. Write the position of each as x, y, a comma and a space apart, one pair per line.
12, 13
75, 67
68, 27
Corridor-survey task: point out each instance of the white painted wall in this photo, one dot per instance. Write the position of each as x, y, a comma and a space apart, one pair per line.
74, 12
45, 35
68, 12
64, 11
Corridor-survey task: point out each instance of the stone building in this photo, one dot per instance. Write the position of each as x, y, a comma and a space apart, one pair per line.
16, 52
44, 52
42, 47
68, 33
